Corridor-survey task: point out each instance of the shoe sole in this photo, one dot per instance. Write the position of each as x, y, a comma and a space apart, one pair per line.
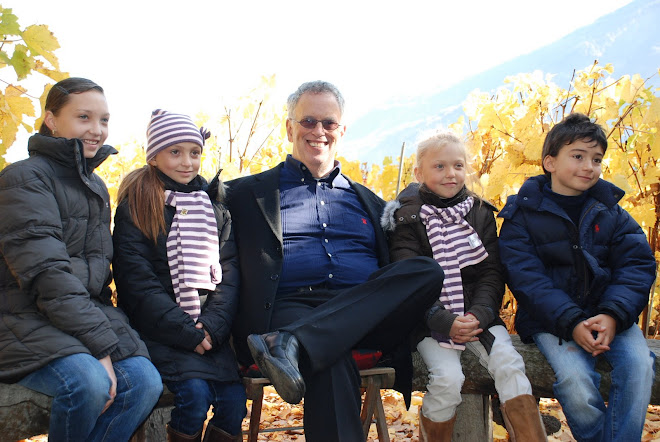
289, 389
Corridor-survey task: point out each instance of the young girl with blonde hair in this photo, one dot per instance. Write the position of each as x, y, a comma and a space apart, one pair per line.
442, 219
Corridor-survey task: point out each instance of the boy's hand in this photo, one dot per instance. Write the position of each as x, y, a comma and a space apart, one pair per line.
583, 334
465, 329
605, 327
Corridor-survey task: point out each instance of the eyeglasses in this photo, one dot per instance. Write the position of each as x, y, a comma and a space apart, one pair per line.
310, 123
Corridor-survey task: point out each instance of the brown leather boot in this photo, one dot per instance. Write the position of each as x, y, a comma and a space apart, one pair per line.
215, 434
175, 436
523, 420
430, 431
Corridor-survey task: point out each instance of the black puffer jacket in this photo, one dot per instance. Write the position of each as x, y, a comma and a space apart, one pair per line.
145, 292
55, 253
483, 283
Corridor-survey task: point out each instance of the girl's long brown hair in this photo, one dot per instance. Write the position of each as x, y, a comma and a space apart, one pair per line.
144, 191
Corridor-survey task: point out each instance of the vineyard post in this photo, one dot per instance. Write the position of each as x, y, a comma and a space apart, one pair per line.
398, 180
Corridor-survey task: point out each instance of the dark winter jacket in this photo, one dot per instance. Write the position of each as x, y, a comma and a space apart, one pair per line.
483, 283
561, 273
145, 292
55, 253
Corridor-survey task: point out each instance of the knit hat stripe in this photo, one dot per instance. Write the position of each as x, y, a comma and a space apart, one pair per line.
170, 139
168, 125
167, 129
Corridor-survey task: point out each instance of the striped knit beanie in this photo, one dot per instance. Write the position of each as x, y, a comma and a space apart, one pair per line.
167, 128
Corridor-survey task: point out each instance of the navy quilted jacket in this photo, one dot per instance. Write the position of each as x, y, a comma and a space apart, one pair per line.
561, 273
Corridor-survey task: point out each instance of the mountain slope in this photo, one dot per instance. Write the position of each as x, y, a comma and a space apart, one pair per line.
626, 38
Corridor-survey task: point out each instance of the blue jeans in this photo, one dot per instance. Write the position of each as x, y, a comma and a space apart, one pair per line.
193, 397
80, 388
577, 385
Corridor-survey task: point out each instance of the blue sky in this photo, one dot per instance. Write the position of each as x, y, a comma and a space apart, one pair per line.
199, 55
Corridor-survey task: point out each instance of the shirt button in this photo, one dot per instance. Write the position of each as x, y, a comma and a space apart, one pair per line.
318, 183
326, 240
330, 255
302, 180
325, 225
274, 277
575, 246
323, 203
267, 305
330, 275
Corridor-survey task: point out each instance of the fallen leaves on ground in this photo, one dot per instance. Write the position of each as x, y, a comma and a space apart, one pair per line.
402, 423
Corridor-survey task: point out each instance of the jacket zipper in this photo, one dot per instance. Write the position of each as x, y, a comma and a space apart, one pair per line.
584, 263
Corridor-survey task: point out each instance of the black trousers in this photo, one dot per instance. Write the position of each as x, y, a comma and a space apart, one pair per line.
378, 314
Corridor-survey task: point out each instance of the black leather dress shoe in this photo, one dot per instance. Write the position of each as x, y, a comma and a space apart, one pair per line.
276, 355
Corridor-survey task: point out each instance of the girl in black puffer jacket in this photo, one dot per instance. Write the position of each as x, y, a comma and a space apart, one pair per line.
177, 278
59, 332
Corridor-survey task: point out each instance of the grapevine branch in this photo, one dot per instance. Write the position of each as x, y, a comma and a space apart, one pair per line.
23, 92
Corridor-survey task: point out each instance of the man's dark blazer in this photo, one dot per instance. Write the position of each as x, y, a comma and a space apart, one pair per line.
254, 204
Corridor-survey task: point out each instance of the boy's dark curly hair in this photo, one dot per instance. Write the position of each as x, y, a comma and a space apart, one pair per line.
575, 126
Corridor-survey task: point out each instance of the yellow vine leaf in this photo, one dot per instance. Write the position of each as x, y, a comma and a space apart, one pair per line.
621, 181
643, 214
21, 62
42, 42
53, 74
13, 106
8, 23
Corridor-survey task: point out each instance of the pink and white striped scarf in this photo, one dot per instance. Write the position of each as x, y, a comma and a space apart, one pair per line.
193, 252
455, 245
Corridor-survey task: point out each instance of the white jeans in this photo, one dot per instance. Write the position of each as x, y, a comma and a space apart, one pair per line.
446, 377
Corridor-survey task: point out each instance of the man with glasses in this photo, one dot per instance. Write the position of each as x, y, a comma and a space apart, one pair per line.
315, 275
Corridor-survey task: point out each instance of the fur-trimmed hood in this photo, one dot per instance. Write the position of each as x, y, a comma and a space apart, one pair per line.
387, 221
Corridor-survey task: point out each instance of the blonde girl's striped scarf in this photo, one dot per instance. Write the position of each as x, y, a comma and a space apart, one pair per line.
455, 245
193, 252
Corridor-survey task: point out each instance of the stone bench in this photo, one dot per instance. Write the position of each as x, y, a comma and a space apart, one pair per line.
24, 413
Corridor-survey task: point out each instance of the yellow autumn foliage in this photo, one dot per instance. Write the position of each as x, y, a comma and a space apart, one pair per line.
23, 52
504, 129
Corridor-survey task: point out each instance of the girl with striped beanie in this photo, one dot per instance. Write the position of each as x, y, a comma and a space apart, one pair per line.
176, 272
440, 218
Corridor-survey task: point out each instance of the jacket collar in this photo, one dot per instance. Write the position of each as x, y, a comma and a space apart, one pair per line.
267, 196
415, 195
68, 152
531, 193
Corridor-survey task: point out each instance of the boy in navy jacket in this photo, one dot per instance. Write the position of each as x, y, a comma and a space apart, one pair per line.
581, 269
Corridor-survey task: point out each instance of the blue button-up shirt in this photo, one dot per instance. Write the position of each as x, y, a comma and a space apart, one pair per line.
328, 237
